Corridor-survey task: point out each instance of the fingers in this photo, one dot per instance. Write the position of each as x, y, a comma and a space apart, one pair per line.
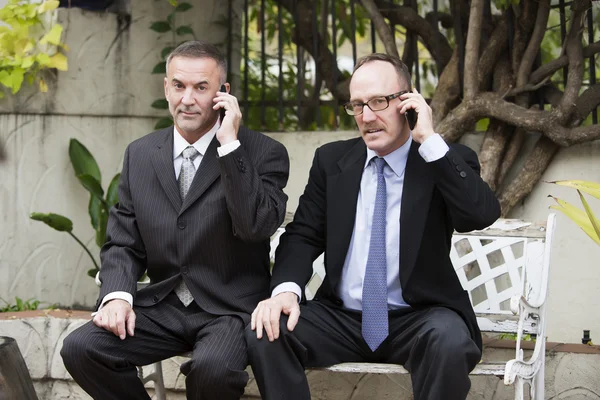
116, 317
131, 323
293, 318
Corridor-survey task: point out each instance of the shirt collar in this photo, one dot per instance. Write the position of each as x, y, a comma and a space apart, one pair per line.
179, 143
396, 159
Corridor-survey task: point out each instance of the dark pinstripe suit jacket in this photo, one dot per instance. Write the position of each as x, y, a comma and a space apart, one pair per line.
217, 239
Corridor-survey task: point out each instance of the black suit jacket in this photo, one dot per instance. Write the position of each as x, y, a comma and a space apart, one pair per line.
217, 239
438, 198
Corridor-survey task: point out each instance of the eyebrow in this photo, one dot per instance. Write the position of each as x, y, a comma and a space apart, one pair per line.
204, 82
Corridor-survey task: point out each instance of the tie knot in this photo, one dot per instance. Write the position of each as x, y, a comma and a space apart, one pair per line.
190, 152
379, 163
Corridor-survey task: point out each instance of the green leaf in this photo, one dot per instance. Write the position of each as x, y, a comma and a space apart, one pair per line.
173, 3
171, 19
160, 68
166, 51
184, 30
112, 193
163, 123
181, 7
577, 216
92, 272
101, 231
160, 26
588, 187
590, 214
55, 221
94, 208
161, 104
92, 185
83, 161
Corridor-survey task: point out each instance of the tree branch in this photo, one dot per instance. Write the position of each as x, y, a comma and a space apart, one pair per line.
533, 47
551, 67
383, 30
494, 49
587, 102
472, 49
447, 93
530, 174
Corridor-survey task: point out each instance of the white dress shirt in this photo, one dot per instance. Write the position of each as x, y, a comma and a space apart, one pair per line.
179, 144
351, 283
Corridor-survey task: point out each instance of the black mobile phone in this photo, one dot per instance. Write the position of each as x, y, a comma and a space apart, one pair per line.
411, 117
222, 112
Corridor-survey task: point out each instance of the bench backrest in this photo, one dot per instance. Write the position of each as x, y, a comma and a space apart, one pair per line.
496, 266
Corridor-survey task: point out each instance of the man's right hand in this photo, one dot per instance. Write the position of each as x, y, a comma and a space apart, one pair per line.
268, 312
115, 316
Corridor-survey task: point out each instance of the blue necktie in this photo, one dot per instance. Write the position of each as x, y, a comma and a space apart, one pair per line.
374, 296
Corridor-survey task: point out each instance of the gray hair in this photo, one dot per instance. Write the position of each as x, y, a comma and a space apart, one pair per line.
198, 49
400, 67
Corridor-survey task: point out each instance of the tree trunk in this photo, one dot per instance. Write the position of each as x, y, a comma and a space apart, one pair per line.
15, 381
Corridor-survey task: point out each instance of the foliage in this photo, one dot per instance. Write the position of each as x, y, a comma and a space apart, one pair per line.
165, 26
88, 173
29, 43
20, 305
585, 218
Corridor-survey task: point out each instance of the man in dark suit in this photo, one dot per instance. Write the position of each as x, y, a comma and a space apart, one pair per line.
383, 209
203, 239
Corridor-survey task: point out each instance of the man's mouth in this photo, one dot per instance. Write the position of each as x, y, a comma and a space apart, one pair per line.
373, 130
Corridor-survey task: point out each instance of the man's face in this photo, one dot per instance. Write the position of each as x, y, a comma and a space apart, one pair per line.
190, 86
386, 130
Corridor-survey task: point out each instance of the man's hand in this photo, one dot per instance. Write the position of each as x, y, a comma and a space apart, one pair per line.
230, 125
424, 126
267, 314
115, 316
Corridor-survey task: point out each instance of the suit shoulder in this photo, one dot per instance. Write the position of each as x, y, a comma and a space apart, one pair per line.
463, 150
258, 140
338, 148
151, 139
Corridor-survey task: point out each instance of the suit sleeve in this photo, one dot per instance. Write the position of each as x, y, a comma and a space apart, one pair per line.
254, 191
123, 255
304, 237
471, 203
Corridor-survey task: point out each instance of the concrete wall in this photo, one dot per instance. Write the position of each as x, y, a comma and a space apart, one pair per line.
103, 101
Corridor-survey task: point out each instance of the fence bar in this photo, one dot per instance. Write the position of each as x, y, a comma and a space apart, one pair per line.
246, 58
353, 28
316, 36
592, 59
229, 37
373, 38
415, 48
563, 33
280, 62
299, 74
436, 26
263, 65
335, 77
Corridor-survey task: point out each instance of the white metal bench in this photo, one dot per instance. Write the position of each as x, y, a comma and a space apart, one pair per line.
505, 270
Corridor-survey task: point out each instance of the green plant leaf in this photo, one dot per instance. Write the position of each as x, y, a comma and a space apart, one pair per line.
160, 26
112, 193
55, 221
92, 185
173, 3
92, 272
590, 214
166, 51
181, 7
171, 18
161, 104
184, 30
578, 216
160, 68
163, 123
101, 231
53, 36
83, 161
591, 188
94, 208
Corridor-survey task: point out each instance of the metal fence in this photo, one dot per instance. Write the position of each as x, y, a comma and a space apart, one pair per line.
283, 90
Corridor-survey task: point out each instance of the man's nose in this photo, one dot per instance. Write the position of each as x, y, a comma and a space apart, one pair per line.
368, 114
188, 97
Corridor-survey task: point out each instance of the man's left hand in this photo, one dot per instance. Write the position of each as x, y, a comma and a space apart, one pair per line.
230, 125
424, 127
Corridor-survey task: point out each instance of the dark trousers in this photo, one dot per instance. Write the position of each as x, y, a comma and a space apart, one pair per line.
105, 366
433, 344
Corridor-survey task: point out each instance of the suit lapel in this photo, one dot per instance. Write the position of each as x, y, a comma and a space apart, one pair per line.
416, 196
162, 161
207, 173
342, 192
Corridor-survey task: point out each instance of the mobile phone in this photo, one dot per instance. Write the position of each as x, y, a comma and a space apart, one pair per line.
411, 117
222, 111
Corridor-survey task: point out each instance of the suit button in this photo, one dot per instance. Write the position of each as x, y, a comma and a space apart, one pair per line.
463, 174
155, 299
181, 225
454, 160
458, 168
185, 270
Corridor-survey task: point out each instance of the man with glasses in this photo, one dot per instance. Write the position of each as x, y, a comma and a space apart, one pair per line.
383, 209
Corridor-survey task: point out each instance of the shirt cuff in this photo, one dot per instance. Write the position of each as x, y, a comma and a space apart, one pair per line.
114, 296
433, 148
228, 148
287, 287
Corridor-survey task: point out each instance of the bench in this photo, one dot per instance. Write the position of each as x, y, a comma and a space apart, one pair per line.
504, 268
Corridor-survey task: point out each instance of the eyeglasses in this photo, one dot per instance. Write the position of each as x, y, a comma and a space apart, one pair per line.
375, 104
